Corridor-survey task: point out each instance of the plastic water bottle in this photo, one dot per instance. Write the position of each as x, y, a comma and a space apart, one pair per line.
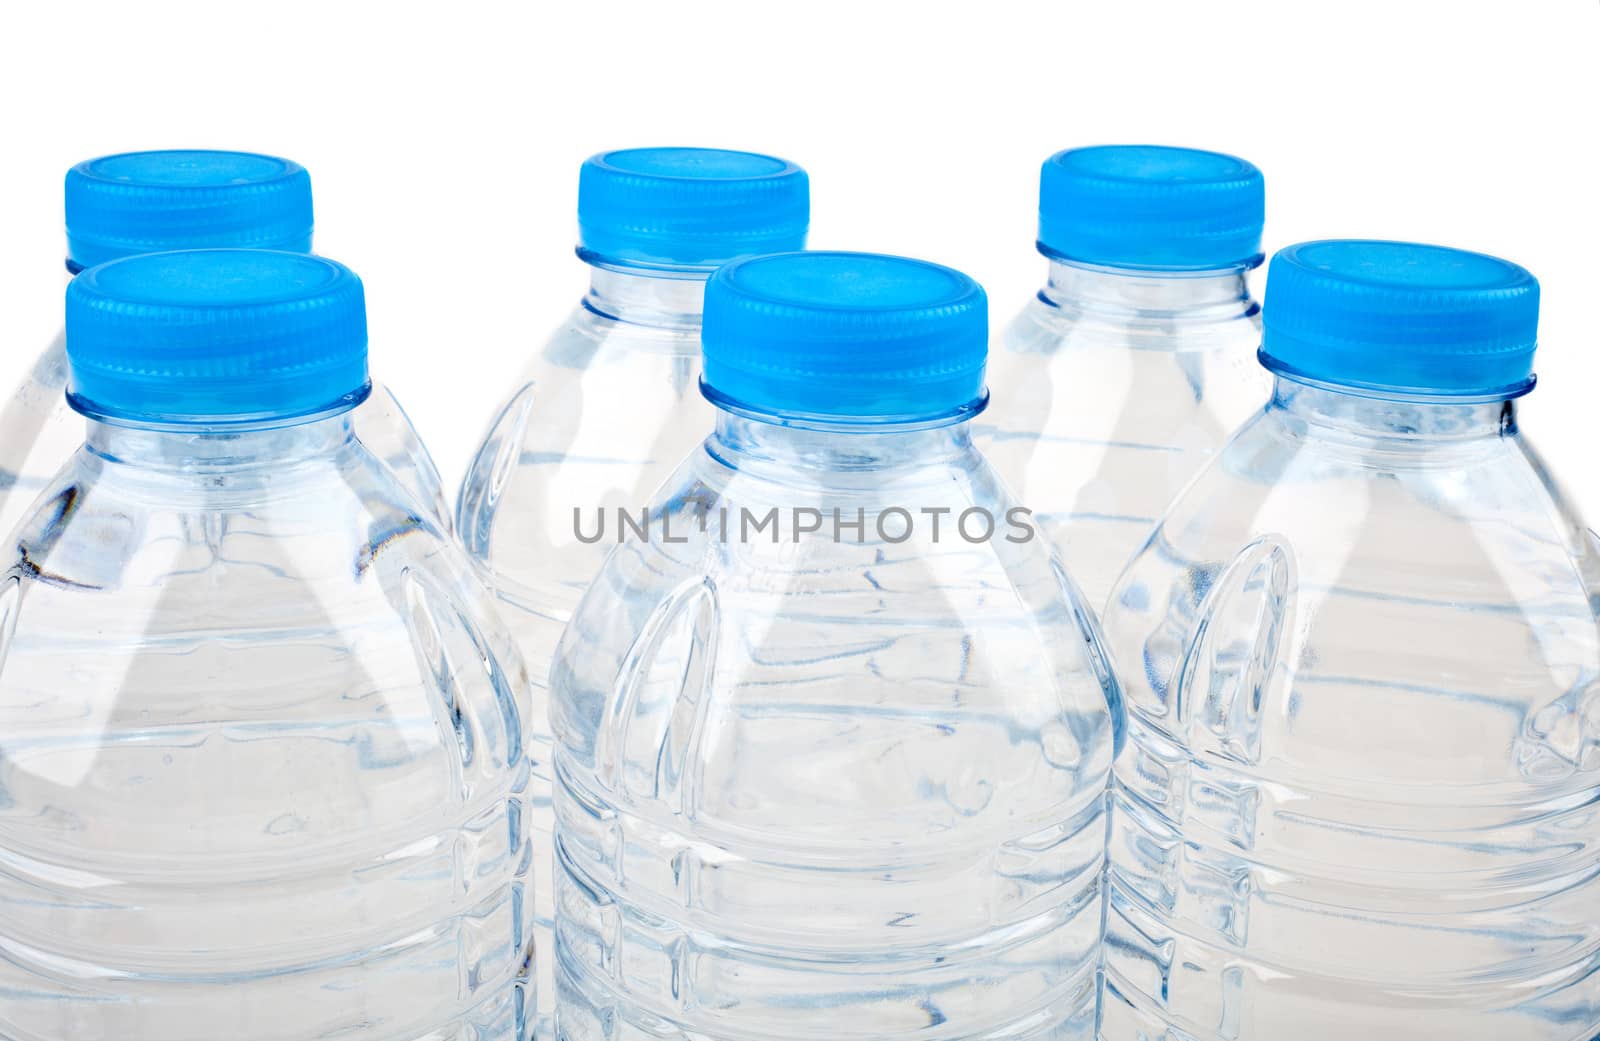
149, 202
607, 408
262, 769
1137, 359
832, 730
1361, 796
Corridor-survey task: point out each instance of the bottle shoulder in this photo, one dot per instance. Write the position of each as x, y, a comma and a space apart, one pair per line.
597, 387
714, 480
1430, 511
600, 412
937, 555
781, 668
1161, 385
1283, 476
598, 416
1388, 614
38, 432
331, 629
1045, 326
104, 511
590, 337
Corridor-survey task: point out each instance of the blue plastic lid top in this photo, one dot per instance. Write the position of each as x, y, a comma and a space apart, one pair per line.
1151, 208
690, 207
1401, 318
845, 337
215, 337
150, 202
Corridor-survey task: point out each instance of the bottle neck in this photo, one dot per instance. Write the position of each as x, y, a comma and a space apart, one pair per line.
753, 444
1340, 415
199, 454
1125, 297
665, 299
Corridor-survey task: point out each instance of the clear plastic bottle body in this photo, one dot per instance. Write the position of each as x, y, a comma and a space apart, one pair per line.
599, 420
263, 754
1110, 391
829, 785
39, 432
1359, 794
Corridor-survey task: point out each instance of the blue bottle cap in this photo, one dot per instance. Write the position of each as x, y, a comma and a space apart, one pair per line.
150, 202
1151, 208
845, 337
1399, 318
215, 337
689, 207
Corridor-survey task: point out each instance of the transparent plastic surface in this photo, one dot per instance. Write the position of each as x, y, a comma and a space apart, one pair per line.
1361, 792
814, 789
263, 759
1108, 393
599, 420
39, 432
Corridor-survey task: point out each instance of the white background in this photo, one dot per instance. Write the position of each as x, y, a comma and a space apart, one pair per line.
444, 139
